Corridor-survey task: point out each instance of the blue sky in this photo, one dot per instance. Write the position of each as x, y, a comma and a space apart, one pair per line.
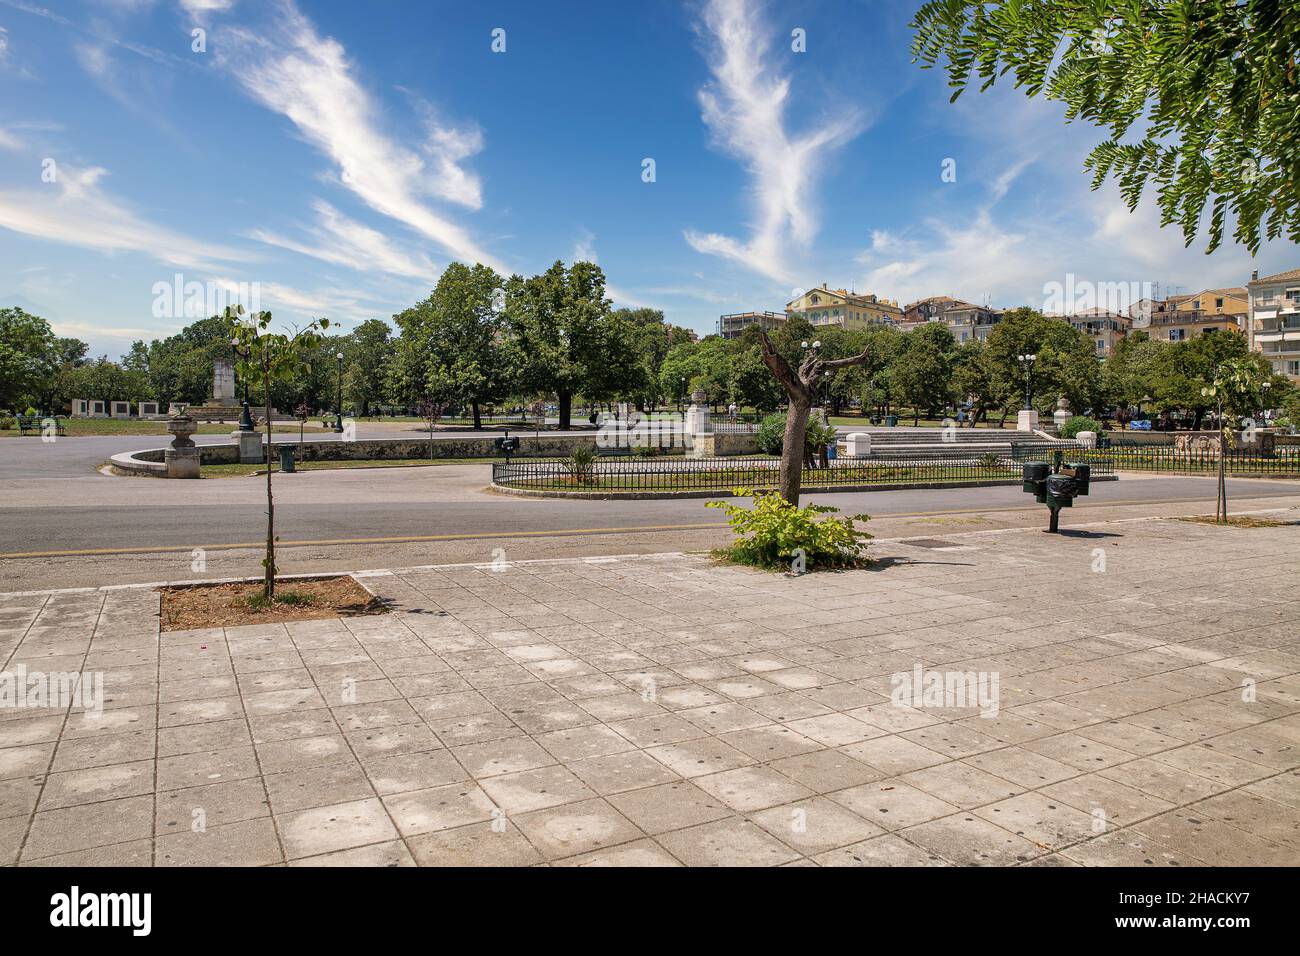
339, 154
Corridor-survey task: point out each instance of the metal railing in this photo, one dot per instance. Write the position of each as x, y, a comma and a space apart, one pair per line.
938, 467
1283, 462
734, 428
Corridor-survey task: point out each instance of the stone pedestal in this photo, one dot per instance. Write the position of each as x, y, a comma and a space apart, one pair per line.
182, 462
250, 447
858, 445
1027, 420
1087, 439
697, 416
182, 456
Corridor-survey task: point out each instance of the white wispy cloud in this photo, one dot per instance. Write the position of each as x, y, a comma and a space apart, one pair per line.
343, 241
744, 107
76, 210
199, 7
291, 69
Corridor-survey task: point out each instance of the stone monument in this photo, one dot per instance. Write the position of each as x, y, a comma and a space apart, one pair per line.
224, 405
223, 383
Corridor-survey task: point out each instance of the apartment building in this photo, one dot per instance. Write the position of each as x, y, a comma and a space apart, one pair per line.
1104, 327
848, 310
733, 325
1182, 317
966, 320
1273, 322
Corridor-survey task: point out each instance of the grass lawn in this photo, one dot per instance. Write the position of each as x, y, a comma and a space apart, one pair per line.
242, 471
76, 427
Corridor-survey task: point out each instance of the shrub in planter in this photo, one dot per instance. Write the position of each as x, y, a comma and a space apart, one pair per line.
774, 533
1080, 423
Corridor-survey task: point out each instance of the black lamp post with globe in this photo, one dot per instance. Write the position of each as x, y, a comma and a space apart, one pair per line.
245, 419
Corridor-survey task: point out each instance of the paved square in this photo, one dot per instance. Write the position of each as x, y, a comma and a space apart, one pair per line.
1139, 704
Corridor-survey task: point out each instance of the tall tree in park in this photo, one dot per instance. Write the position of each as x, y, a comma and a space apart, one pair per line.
975, 379
751, 382
451, 346
1199, 99
1066, 361
266, 358
366, 353
654, 339
800, 383
556, 322
27, 356
922, 374
623, 371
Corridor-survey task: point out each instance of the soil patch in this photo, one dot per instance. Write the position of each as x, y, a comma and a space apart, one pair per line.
189, 606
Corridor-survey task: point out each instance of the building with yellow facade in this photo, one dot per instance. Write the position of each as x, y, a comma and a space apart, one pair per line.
838, 307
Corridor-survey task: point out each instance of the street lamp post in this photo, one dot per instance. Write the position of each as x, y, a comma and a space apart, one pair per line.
1027, 363
338, 404
245, 419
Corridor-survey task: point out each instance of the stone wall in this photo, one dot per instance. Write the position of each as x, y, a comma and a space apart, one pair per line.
723, 444
381, 449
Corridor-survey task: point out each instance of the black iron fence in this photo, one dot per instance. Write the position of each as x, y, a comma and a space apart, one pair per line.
938, 467
1283, 462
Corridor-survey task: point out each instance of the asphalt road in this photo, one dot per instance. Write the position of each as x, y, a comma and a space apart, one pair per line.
32, 459
352, 506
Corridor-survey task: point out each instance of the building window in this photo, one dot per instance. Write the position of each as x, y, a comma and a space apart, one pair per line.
1176, 335
1218, 303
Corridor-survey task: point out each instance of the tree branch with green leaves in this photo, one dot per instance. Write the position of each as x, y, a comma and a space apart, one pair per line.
1200, 99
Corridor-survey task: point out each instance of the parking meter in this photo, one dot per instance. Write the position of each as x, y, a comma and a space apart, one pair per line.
507, 445
1056, 485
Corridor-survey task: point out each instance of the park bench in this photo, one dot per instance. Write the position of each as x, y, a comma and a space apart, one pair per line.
34, 424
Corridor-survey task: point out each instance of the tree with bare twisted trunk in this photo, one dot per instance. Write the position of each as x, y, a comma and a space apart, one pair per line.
801, 387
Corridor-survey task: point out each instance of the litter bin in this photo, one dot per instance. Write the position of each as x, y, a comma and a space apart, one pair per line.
286, 458
891, 421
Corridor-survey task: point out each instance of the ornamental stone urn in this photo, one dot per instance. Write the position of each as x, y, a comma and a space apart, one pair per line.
182, 457
1062, 413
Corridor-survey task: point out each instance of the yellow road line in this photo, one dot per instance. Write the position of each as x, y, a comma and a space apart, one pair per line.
633, 529
400, 539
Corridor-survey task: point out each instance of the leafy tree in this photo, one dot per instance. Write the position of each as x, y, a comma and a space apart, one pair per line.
800, 384
975, 379
267, 357
28, 356
556, 323
366, 354
1208, 89
1066, 361
1236, 392
451, 343
922, 374
654, 339
751, 382
622, 372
